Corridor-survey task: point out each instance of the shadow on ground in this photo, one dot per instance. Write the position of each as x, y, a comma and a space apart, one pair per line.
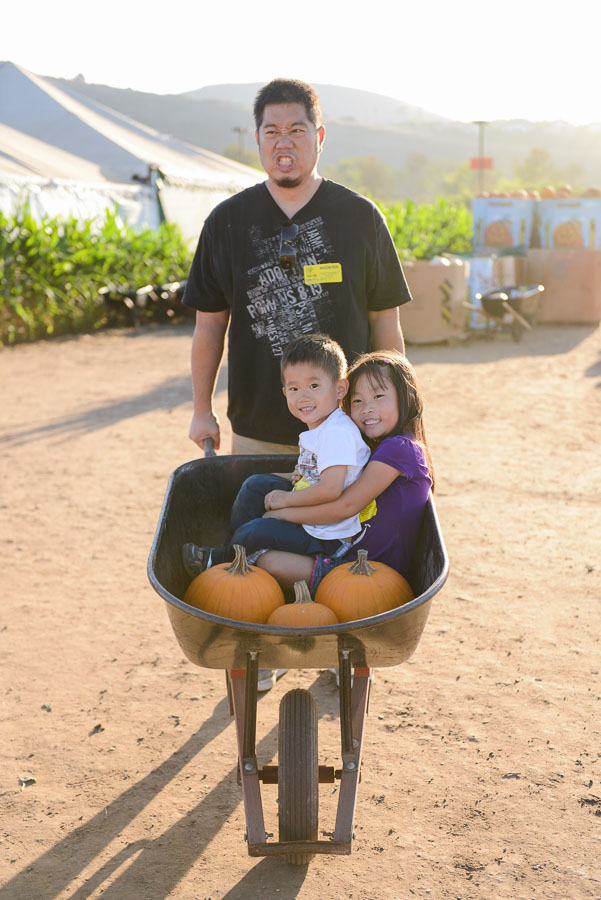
167, 396
594, 371
543, 340
162, 861
153, 867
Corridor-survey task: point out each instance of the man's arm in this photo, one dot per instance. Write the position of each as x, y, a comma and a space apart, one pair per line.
207, 350
385, 330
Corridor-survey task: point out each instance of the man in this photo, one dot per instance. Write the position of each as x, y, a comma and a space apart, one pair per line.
295, 254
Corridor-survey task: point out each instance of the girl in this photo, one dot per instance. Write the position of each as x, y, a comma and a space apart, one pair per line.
384, 401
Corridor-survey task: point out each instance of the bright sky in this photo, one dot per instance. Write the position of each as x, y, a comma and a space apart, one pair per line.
463, 59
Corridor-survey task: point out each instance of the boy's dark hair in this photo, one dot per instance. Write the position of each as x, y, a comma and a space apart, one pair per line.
319, 349
287, 90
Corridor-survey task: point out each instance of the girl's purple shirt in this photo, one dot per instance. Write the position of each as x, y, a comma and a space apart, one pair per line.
391, 535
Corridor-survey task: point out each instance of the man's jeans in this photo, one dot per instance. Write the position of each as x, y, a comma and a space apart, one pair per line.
247, 527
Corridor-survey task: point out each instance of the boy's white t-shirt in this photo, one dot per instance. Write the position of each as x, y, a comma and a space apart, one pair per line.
336, 442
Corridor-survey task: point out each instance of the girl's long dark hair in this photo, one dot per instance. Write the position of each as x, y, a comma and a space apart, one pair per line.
390, 366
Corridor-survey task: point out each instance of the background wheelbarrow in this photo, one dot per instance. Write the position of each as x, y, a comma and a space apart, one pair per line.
510, 308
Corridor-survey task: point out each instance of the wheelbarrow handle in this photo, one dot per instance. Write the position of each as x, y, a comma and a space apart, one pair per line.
209, 447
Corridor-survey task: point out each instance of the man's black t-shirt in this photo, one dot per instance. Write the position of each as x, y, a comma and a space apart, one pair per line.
236, 266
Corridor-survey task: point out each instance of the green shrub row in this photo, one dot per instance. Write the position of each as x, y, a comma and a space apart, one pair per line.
430, 229
51, 271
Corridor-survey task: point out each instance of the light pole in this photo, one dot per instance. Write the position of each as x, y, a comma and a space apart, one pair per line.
241, 132
481, 125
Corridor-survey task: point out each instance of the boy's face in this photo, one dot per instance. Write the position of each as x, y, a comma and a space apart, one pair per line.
311, 393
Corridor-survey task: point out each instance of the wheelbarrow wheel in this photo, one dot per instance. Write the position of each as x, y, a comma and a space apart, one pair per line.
298, 771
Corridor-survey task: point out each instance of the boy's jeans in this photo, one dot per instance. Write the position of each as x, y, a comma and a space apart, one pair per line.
248, 528
250, 502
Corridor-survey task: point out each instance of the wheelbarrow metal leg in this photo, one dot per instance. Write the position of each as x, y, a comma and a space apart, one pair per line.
250, 710
353, 708
344, 677
244, 701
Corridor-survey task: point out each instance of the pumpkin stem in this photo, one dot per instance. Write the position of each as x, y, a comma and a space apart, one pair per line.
240, 565
301, 592
361, 566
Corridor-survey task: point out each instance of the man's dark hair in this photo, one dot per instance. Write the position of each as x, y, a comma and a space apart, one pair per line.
287, 90
319, 349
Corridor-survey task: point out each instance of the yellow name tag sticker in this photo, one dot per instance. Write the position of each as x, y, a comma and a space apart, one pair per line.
323, 273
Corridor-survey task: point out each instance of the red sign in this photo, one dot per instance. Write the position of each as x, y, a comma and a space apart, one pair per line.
481, 162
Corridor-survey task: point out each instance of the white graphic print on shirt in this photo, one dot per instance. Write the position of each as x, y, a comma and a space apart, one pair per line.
281, 306
307, 467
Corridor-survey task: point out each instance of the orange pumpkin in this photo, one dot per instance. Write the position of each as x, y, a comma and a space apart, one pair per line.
304, 612
362, 589
564, 191
547, 193
236, 591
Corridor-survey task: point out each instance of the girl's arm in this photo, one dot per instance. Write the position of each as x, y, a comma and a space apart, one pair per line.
370, 484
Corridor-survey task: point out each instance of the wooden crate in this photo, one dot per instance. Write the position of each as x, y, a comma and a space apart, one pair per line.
436, 312
572, 281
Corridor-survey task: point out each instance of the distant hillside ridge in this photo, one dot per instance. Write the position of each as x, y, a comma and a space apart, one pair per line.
362, 107
212, 117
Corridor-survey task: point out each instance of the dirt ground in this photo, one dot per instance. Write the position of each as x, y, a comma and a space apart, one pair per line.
482, 757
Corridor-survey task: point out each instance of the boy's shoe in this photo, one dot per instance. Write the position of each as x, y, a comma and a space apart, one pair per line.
195, 559
268, 677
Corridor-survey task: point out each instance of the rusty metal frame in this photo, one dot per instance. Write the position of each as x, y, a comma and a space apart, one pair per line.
354, 700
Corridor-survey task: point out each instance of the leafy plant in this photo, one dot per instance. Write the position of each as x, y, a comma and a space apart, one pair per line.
430, 229
51, 270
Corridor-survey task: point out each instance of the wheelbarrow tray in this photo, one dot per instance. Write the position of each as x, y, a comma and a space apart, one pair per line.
196, 508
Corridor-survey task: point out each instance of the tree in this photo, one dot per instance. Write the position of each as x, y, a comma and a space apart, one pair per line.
536, 170
367, 175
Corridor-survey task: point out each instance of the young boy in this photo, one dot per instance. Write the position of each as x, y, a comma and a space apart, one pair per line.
332, 455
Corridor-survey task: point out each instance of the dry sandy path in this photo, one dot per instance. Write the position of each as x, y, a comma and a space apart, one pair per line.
482, 760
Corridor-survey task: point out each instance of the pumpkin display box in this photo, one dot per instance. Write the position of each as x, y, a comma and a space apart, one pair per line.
570, 223
501, 223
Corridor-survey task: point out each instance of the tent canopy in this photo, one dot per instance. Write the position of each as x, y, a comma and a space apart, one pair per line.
47, 133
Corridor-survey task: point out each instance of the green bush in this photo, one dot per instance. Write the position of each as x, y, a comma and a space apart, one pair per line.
51, 271
428, 230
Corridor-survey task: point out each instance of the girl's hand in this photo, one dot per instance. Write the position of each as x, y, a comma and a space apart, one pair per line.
295, 476
272, 514
276, 499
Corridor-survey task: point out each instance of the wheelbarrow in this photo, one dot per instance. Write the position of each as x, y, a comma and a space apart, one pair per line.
196, 508
510, 308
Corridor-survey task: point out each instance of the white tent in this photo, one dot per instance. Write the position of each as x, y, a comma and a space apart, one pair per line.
44, 177
66, 154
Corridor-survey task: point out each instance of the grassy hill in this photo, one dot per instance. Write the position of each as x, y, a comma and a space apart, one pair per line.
358, 124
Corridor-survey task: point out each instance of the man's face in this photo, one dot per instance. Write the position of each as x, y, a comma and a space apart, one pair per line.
289, 144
